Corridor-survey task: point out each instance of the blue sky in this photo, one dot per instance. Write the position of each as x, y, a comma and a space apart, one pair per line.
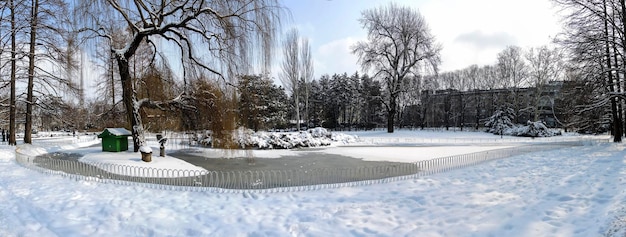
471, 32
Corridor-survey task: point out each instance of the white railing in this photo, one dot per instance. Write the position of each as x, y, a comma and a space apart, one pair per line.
270, 180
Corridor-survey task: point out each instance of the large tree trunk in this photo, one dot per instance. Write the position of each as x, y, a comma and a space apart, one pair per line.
28, 128
617, 124
12, 109
130, 103
623, 39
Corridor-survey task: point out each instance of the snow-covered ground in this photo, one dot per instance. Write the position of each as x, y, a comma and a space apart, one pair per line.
577, 191
133, 159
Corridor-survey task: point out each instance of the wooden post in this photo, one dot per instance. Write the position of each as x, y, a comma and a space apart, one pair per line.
146, 157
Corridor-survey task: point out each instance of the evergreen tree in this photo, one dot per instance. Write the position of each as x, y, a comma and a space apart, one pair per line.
260, 103
500, 121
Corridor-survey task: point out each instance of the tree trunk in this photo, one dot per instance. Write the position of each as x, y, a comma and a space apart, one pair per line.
462, 107
297, 110
446, 114
28, 127
618, 85
538, 91
391, 113
130, 99
424, 110
478, 100
516, 105
112, 87
306, 104
623, 39
12, 109
617, 128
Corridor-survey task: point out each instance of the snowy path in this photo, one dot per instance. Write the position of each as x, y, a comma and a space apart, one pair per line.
568, 192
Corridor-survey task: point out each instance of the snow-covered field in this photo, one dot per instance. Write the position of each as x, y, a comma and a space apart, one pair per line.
577, 191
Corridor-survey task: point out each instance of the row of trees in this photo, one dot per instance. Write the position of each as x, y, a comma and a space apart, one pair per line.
216, 39
335, 101
220, 46
356, 101
514, 69
297, 68
130, 40
399, 48
38, 59
595, 38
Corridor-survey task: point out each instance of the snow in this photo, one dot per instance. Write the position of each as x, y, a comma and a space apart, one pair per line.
247, 138
407, 154
113, 161
397, 154
145, 149
118, 131
577, 191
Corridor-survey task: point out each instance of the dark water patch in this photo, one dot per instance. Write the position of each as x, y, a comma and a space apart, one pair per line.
309, 168
305, 161
62, 156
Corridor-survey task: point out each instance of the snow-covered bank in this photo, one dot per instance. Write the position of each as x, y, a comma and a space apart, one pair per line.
62, 144
576, 191
407, 154
568, 192
130, 163
248, 139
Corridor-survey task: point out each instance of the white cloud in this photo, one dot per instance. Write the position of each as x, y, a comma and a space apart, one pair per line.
470, 32
336, 57
473, 32
483, 41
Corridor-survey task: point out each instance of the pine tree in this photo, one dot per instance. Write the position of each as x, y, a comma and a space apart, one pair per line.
500, 121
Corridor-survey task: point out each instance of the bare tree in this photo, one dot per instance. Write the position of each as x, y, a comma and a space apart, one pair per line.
490, 77
475, 81
512, 70
595, 37
4, 48
544, 65
12, 104
307, 74
48, 28
230, 33
31, 72
512, 67
290, 75
399, 44
109, 83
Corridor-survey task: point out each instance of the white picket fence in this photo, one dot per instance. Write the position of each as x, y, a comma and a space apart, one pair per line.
275, 180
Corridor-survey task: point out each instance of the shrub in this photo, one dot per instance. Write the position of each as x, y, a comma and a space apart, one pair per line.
246, 139
533, 129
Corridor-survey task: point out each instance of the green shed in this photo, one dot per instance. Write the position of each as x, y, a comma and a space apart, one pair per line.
114, 139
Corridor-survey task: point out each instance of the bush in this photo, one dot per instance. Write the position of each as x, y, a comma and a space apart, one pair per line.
246, 139
533, 129
500, 121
